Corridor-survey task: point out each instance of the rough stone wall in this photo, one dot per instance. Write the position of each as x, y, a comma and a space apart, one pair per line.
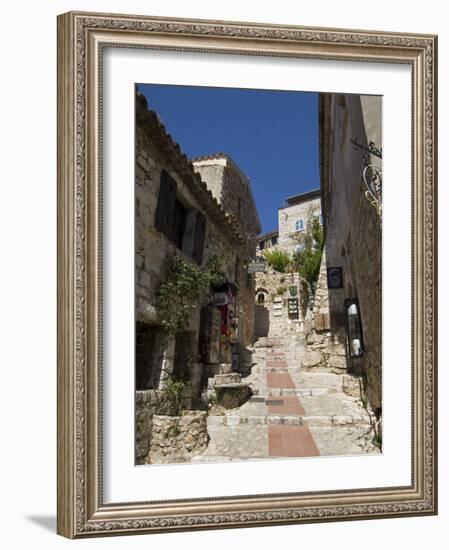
287, 220
152, 247
238, 188
272, 318
325, 341
232, 189
146, 406
178, 438
352, 225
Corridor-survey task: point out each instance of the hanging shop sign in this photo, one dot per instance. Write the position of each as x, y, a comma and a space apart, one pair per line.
223, 294
293, 308
220, 299
334, 277
259, 265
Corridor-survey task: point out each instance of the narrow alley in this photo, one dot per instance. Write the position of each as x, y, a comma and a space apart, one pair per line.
293, 411
252, 345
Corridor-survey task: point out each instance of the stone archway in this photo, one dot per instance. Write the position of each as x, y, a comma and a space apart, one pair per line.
262, 316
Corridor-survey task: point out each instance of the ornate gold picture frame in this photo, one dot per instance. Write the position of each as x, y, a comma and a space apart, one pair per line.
82, 41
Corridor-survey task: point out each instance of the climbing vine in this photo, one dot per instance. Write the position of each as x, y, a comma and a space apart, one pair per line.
182, 289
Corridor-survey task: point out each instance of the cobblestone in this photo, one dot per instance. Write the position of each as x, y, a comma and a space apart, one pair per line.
293, 412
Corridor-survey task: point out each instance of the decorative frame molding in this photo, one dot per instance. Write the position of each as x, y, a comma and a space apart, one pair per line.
81, 37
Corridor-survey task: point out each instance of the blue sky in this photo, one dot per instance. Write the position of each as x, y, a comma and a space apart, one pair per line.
271, 135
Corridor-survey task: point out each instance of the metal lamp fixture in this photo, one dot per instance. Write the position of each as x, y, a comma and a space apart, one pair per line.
353, 328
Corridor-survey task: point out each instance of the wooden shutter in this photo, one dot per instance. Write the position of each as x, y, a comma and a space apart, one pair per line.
200, 234
165, 209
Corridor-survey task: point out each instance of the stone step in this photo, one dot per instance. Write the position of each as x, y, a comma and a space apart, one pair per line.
279, 343
299, 368
289, 420
304, 392
280, 352
292, 357
214, 458
276, 357
219, 368
298, 392
263, 369
228, 378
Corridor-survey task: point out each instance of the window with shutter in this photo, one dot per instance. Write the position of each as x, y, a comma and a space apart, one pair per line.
200, 234
184, 226
179, 223
165, 210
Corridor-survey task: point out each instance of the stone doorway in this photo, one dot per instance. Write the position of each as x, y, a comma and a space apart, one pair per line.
184, 355
150, 346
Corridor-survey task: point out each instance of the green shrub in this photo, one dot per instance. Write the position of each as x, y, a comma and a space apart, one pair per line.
307, 260
182, 289
278, 260
170, 397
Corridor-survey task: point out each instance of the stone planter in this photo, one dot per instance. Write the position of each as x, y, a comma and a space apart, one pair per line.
178, 438
232, 395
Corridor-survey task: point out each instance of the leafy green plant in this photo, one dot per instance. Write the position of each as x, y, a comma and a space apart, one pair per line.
307, 259
170, 397
278, 260
214, 269
174, 390
213, 398
182, 291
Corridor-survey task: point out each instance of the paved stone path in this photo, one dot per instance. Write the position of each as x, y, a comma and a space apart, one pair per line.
293, 412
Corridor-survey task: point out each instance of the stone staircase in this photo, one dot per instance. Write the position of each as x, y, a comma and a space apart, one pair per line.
285, 393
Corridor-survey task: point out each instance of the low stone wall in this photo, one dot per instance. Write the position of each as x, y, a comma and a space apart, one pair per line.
325, 340
232, 395
325, 350
178, 438
272, 319
146, 405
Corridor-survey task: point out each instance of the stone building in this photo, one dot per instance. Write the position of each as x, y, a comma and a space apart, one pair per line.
348, 305
282, 298
231, 188
178, 214
267, 240
295, 217
281, 304
293, 220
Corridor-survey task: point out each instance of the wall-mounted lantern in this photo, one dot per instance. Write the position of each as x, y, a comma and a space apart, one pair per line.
353, 328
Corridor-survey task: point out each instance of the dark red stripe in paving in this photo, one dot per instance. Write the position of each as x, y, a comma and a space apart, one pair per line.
291, 441
284, 405
279, 380
285, 440
276, 363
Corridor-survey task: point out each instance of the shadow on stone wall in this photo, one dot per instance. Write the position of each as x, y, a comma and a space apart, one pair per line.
245, 359
262, 325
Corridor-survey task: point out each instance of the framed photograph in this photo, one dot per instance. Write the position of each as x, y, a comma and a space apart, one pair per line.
246, 274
